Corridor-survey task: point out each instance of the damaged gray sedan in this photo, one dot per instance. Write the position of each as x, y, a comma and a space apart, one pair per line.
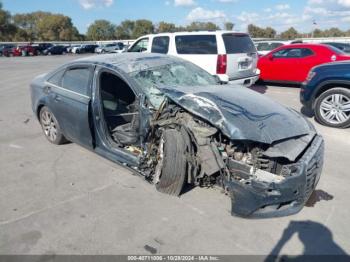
175, 124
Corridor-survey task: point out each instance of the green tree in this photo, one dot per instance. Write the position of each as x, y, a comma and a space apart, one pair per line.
290, 34
45, 26
100, 30
333, 32
7, 29
317, 33
270, 32
229, 26
164, 27
201, 26
125, 29
142, 27
259, 32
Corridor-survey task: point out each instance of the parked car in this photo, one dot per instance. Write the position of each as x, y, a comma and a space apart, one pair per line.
75, 49
5, 48
21, 50
230, 55
292, 63
345, 47
55, 50
41, 47
70, 48
85, 49
326, 92
110, 48
265, 47
173, 123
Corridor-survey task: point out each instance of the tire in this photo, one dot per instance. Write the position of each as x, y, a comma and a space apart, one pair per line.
50, 127
174, 164
49, 53
330, 108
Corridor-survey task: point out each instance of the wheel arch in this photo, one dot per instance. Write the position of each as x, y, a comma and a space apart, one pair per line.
329, 85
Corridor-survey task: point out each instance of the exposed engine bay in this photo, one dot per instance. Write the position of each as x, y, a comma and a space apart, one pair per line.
236, 166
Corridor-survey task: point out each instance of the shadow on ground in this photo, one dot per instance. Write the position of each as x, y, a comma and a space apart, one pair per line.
317, 196
260, 88
316, 238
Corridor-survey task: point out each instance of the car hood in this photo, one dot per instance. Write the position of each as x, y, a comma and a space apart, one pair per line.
240, 113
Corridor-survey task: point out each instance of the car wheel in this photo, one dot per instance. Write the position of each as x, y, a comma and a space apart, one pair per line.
172, 165
332, 108
49, 53
103, 51
63, 53
50, 127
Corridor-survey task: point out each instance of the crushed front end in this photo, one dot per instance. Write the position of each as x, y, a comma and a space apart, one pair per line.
258, 193
262, 179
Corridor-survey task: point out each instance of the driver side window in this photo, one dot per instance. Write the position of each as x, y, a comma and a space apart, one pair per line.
140, 46
288, 53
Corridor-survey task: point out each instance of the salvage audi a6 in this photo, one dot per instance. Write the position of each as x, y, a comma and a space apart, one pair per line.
174, 124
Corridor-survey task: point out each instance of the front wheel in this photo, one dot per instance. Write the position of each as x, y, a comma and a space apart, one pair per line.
50, 126
172, 165
332, 108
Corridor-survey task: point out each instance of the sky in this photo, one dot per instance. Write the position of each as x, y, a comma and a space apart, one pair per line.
304, 15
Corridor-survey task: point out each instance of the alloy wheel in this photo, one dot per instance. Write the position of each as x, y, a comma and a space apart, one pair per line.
335, 108
49, 125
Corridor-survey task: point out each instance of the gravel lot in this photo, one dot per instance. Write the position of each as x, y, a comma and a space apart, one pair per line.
67, 200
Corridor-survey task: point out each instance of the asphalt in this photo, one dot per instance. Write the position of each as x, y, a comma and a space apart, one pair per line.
67, 200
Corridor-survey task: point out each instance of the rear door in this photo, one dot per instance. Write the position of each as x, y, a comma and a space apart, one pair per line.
69, 98
241, 55
201, 50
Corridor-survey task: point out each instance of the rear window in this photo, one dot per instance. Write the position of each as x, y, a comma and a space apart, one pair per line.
238, 43
196, 44
336, 50
160, 44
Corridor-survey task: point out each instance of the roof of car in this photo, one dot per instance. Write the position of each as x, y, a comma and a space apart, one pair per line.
214, 32
130, 62
310, 45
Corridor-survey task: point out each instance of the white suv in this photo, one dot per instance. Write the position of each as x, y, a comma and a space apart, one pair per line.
230, 55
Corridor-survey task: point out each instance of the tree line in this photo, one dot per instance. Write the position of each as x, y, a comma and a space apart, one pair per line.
292, 33
46, 26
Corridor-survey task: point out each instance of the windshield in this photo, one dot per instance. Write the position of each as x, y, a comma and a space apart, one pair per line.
176, 74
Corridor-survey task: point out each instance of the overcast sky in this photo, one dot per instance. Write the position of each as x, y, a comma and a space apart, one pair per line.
278, 14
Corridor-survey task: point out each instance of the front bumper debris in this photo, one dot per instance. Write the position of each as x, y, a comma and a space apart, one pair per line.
259, 199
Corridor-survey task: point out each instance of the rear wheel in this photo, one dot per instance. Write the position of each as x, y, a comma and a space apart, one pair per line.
50, 127
332, 108
172, 165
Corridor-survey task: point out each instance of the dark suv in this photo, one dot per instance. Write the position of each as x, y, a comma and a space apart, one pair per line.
326, 92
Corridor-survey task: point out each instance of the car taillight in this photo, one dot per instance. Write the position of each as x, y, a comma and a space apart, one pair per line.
221, 65
310, 76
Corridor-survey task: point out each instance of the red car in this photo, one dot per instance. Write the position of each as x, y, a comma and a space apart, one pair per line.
292, 63
23, 50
